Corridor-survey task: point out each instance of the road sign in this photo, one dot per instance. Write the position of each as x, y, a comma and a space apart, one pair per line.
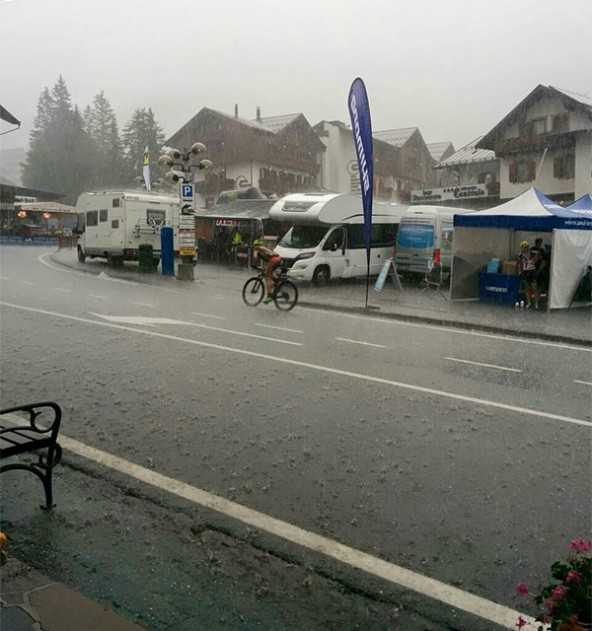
187, 192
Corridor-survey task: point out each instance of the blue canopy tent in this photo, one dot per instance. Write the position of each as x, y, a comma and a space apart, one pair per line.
497, 232
582, 206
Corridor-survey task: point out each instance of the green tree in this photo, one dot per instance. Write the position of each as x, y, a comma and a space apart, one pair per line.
60, 152
141, 131
100, 124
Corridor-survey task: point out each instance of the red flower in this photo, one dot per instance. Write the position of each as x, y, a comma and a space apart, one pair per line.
581, 545
559, 592
549, 605
521, 589
573, 575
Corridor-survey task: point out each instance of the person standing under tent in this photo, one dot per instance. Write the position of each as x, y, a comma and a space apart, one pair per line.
527, 262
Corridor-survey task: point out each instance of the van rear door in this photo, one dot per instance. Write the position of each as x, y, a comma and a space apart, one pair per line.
415, 245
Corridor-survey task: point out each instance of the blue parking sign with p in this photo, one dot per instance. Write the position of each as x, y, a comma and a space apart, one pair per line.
187, 192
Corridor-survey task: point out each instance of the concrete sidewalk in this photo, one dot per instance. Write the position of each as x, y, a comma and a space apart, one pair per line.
32, 602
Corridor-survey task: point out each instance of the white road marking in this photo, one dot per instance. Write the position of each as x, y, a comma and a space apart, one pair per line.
208, 315
433, 327
301, 364
98, 297
432, 588
586, 383
466, 361
143, 304
28, 282
152, 321
61, 289
345, 339
278, 328
509, 338
4, 278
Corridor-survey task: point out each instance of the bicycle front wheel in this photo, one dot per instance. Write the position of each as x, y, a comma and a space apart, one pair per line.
253, 291
285, 295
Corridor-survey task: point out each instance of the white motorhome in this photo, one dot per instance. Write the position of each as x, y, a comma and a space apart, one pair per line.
425, 237
326, 239
114, 224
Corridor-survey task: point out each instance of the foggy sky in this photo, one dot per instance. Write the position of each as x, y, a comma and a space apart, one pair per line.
453, 69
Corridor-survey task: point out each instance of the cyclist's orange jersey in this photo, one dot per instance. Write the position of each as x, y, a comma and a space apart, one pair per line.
266, 254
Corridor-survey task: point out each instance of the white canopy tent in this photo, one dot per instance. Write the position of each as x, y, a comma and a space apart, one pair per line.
497, 233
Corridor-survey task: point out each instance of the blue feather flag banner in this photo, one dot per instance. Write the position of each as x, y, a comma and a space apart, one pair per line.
359, 111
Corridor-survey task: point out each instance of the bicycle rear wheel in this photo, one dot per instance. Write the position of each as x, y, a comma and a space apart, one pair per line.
285, 295
253, 291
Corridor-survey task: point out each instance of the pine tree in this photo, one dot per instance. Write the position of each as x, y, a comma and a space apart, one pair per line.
60, 152
141, 131
100, 124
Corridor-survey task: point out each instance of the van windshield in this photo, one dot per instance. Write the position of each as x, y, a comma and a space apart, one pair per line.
303, 237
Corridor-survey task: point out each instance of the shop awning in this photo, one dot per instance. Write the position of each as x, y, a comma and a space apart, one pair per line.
242, 209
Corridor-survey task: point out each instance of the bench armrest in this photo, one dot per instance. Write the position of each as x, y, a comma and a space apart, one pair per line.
47, 411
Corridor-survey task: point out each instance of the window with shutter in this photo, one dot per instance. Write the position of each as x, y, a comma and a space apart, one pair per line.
531, 171
560, 122
513, 175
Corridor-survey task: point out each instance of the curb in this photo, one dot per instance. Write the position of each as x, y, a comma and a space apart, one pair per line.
376, 312
484, 328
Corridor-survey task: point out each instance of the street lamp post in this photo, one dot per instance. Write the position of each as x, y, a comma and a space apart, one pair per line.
179, 166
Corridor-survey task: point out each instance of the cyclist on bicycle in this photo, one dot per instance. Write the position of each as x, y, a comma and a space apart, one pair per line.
271, 260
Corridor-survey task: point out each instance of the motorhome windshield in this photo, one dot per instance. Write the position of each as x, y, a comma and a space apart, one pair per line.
303, 237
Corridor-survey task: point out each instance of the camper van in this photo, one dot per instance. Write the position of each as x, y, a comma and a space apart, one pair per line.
326, 239
112, 225
425, 237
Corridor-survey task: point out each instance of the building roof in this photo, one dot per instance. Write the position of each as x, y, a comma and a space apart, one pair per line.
277, 123
272, 124
243, 121
438, 149
7, 188
467, 155
541, 91
47, 207
396, 137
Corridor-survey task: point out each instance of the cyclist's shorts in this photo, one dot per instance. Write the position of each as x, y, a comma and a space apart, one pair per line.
274, 261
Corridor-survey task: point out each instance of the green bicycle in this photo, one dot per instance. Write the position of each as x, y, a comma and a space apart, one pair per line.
284, 292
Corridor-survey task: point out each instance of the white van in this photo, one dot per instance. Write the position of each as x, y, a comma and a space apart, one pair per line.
112, 225
326, 239
425, 236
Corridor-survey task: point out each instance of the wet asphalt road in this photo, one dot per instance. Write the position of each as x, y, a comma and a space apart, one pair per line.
343, 426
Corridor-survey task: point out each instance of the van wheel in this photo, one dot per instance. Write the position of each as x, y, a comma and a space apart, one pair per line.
81, 255
321, 276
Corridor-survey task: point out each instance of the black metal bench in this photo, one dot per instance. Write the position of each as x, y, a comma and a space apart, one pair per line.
35, 432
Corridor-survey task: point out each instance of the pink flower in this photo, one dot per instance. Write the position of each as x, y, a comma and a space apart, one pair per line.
573, 575
521, 622
549, 605
581, 545
559, 592
521, 589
